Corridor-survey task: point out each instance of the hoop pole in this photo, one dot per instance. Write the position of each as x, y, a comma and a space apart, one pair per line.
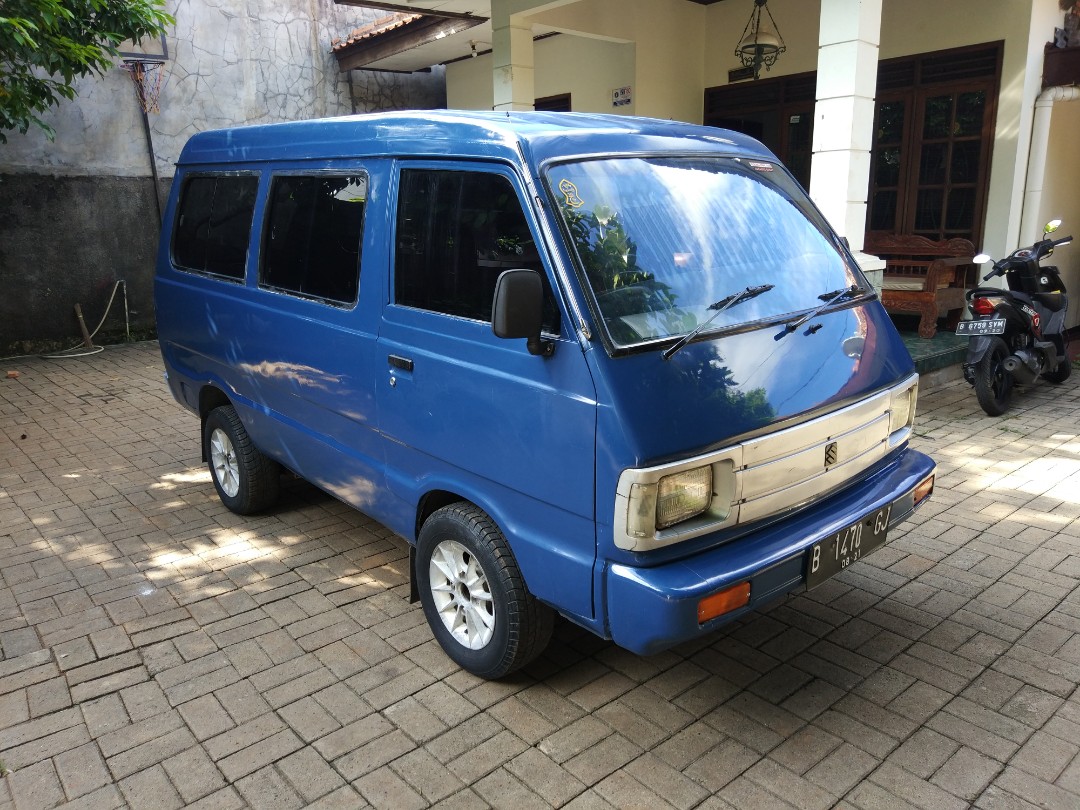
153, 165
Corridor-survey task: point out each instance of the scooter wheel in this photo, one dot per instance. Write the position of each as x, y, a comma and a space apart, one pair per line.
993, 384
1061, 373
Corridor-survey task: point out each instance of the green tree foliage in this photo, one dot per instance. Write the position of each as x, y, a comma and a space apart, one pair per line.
45, 45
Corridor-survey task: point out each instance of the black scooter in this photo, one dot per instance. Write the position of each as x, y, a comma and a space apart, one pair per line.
1017, 335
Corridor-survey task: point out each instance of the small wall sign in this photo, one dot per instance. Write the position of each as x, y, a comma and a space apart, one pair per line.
621, 97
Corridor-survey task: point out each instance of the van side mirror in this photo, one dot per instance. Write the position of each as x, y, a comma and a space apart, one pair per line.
517, 310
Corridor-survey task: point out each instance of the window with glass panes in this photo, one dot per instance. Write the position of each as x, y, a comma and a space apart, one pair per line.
933, 135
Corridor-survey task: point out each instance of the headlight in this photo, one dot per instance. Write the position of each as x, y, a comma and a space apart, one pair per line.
902, 409
673, 499
680, 497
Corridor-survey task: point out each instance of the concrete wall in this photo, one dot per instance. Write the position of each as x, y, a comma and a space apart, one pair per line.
79, 212
66, 241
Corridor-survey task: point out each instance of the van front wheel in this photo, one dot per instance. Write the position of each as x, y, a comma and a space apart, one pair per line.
245, 479
474, 596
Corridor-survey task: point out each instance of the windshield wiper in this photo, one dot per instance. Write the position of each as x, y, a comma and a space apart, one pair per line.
828, 300
719, 306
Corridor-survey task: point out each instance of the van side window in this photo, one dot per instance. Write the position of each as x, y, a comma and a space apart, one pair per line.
312, 241
456, 232
214, 224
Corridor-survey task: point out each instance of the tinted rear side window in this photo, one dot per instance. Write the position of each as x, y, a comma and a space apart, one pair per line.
214, 224
313, 234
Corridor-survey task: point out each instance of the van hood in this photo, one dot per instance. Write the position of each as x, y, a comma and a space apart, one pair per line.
718, 390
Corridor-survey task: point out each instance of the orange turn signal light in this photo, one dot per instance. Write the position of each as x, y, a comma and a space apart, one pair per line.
723, 602
923, 491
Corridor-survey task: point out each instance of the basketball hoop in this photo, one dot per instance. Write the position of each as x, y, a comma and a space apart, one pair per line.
147, 75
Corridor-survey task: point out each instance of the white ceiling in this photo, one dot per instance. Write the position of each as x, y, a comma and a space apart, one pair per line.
452, 46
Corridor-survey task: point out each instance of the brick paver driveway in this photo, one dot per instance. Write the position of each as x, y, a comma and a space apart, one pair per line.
159, 651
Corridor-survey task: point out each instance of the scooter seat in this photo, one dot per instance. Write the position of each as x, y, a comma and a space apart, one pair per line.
981, 292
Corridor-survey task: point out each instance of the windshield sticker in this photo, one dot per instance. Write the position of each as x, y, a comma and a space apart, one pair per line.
570, 192
761, 167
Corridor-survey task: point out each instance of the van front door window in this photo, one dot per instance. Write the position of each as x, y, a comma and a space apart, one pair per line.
457, 231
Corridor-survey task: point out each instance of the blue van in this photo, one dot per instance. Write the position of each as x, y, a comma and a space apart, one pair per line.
615, 368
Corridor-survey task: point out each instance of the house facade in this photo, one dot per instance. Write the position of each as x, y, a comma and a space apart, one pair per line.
900, 116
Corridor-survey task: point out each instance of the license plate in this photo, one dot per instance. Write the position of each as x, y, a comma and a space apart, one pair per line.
992, 327
833, 554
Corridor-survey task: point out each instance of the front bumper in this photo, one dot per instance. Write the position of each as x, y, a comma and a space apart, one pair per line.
652, 609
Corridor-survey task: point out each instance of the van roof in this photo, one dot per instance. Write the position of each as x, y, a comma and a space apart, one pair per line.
482, 135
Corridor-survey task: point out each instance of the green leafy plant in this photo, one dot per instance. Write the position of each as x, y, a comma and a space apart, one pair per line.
609, 258
45, 45
607, 252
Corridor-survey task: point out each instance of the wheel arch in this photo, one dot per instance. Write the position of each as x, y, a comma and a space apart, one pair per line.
210, 397
429, 503
436, 499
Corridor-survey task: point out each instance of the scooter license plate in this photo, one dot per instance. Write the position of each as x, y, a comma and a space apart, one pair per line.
991, 327
835, 553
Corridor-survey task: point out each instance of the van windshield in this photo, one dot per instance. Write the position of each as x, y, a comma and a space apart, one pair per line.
661, 241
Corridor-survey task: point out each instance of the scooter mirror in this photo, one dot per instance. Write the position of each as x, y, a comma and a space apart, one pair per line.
1052, 226
982, 258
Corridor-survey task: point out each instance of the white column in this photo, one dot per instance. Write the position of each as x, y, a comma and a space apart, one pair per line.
844, 114
1030, 226
512, 54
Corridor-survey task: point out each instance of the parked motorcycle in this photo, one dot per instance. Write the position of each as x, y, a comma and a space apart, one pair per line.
1017, 335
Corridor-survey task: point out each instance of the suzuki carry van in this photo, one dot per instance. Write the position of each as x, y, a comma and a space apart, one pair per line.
612, 368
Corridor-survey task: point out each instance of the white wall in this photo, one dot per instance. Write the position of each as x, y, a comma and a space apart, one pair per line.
587, 69
657, 47
1061, 199
797, 21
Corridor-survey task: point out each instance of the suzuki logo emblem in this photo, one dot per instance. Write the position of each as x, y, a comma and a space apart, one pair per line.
830, 454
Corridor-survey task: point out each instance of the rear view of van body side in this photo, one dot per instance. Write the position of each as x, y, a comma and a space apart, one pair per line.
613, 368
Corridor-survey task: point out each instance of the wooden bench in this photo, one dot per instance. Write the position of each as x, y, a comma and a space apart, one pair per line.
923, 276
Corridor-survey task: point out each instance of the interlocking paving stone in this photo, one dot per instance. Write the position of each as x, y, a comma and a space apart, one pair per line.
150, 753
157, 650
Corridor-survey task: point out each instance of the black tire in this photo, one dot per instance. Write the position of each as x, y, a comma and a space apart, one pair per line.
993, 384
469, 549
1061, 373
246, 480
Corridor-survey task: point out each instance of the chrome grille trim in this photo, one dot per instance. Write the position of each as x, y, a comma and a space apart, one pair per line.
774, 473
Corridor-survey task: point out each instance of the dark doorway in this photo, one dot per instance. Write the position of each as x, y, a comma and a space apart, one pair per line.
559, 103
778, 112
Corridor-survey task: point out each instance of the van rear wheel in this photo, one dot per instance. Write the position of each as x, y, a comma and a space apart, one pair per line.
474, 596
246, 480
